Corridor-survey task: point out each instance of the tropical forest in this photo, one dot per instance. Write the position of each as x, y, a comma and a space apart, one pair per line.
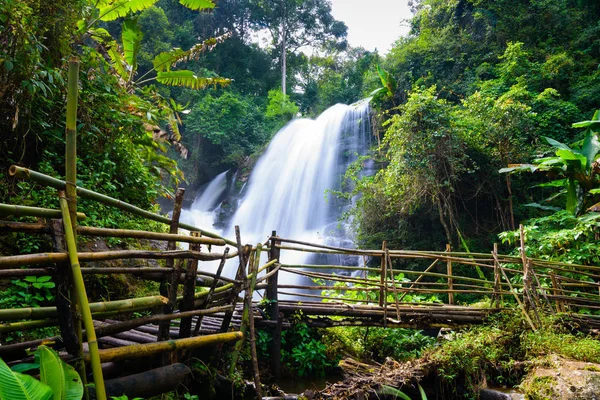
299, 199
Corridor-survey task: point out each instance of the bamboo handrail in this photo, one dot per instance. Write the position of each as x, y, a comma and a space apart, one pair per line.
42, 258
47, 180
135, 234
25, 211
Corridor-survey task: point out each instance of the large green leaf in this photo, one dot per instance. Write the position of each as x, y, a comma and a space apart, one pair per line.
61, 377
198, 4
590, 148
593, 123
557, 144
572, 155
132, 36
112, 10
16, 386
189, 79
165, 60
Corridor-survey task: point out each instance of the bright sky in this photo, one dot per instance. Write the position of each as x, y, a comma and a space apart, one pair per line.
373, 23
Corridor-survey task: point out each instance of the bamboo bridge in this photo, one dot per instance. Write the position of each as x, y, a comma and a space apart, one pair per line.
195, 309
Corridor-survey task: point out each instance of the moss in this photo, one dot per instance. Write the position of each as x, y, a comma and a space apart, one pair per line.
541, 388
497, 352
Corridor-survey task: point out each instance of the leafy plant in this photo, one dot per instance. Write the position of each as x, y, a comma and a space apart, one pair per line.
30, 291
58, 380
574, 168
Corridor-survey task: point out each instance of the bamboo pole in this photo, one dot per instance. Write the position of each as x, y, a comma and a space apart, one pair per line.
42, 258
189, 289
135, 234
29, 227
382, 276
449, 272
83, 300
25, 211
212, 289
43, 179
521, 306
127, 305
272, 296
150, 349
169, 289
244, 253
389, 261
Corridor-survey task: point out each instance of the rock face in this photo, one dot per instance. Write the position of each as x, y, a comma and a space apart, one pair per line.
563, 379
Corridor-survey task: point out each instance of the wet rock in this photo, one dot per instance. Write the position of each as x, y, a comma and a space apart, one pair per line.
495, 394
563, 379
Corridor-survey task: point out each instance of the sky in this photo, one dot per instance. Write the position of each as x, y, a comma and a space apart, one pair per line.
373, 23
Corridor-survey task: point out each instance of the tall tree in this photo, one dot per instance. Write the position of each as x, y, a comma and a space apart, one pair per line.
294, 24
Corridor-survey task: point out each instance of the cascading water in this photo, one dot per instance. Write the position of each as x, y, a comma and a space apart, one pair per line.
202, 213
286, 191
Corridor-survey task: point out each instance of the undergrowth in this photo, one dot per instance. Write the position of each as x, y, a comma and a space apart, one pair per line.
501, 351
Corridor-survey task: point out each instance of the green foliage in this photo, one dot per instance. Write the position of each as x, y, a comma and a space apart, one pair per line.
303, 352
574, 168
17, 386
31, 291
58, 380
280, 109
491, 352
373, 343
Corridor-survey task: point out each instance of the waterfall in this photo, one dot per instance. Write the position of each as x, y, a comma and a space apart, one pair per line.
286, 191
202, 213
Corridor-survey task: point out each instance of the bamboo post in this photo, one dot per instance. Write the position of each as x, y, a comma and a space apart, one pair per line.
382, 291
211, 290
169, 289
449, 273
521, 306
496, 296
65, 302
243, 255
557, 290
273, 310
189, 289
83, 300
391, 269
526, 281
71, 190
248, 321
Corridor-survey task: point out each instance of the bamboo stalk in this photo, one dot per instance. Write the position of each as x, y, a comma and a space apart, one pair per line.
169, 289
83, 300
41, 258
189, 290
29, 227
135, 234
25, 211
95, 308
521, 306
27, 325
212, 289
150, 349
449, 272
43, 179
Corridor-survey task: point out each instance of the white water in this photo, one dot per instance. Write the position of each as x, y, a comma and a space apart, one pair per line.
286, 191
201, 212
